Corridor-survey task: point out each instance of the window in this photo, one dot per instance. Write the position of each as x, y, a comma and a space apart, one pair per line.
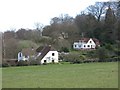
90, 41
79, 45
44, 61
75, 45
84, 46
26, 56
53, 54
20, 54
88, 45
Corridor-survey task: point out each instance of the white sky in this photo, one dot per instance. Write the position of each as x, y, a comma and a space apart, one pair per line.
15, 14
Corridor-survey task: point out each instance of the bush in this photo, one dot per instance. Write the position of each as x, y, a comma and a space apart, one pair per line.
92, 54
5, 64
117, 52
102, 54
44, 63
23, 63
73, 58
34, 62
90, 60
64, 49
82, 57
109, 46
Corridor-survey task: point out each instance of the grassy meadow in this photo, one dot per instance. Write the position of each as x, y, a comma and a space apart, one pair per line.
86, 75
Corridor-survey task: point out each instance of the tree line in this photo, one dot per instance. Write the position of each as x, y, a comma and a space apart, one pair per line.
99, 21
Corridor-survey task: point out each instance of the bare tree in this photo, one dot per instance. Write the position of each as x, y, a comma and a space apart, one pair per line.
97, 10
39, 27
10, 48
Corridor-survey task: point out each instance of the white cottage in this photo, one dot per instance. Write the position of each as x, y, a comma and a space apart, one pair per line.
44, 54
48, 55
86, 43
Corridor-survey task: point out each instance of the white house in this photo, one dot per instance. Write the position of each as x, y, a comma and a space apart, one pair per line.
48, 55
45, 54
86, 43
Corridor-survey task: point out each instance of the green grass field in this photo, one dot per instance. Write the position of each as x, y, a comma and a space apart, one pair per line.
89, 75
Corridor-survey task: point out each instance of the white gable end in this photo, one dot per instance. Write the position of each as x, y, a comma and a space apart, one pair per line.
51, 56
91, 42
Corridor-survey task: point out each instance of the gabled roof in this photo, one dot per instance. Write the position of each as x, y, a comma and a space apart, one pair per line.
96, 41
87, 39
84, 39
39, 48
45, 50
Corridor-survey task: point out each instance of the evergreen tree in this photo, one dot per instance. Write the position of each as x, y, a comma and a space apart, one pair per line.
109, 26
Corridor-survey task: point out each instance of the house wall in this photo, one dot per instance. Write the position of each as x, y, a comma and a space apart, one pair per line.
76, 45
49, 57
90, 44
82, 45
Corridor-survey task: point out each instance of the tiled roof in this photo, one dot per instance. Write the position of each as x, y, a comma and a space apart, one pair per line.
96, 41
84, 39
39, 48
44, 51
87, 39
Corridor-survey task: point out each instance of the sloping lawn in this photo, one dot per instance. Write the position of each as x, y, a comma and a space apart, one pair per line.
89, 75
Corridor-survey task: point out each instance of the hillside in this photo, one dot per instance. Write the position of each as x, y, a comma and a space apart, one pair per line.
64, 30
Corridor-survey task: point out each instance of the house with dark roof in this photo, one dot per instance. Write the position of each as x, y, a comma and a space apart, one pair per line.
86, 43
46, 54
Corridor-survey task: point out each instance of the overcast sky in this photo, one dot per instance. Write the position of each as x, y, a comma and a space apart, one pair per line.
15, 14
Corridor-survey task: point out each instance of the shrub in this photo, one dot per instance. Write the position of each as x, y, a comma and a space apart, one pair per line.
82, 57
102, 54
90, 60
23, 63
92, 54
117, 52
44, 63
34, 62
72, 57
5, 64
64, 49
109, 46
